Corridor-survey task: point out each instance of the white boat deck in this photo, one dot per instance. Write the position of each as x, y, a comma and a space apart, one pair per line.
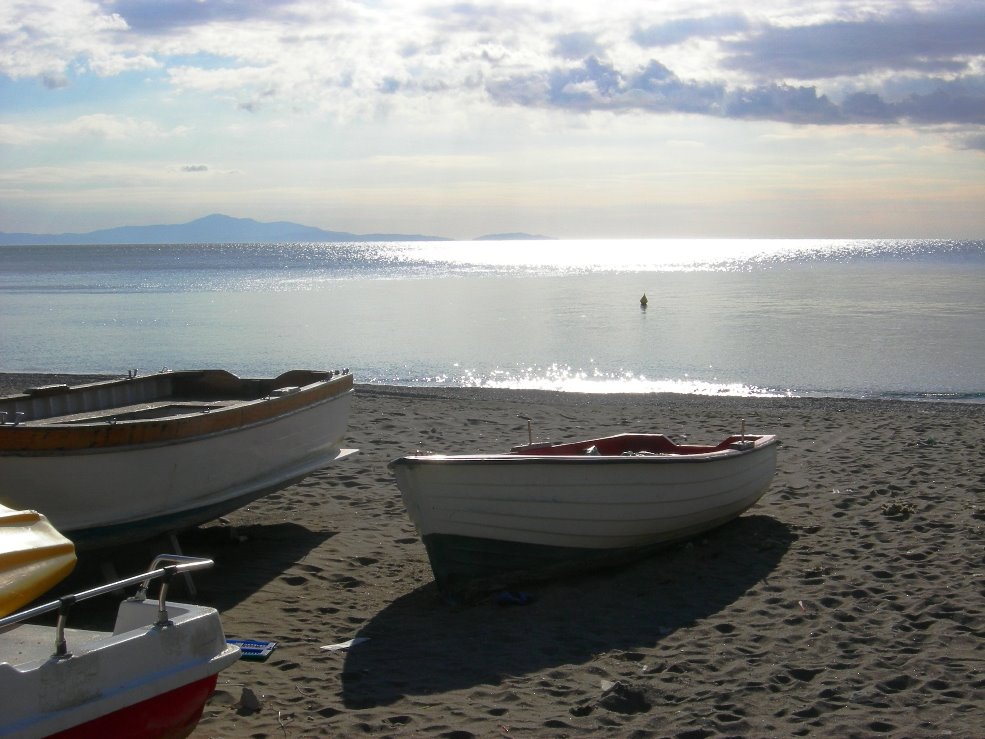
30, 644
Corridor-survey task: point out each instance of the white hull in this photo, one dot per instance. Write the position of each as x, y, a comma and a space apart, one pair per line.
574, 504
109, 494
145, 678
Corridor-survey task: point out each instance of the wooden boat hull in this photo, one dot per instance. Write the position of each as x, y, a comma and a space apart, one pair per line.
148, 460
147, 678
489, 520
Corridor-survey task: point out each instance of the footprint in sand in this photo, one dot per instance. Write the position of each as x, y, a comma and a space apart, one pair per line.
345, 582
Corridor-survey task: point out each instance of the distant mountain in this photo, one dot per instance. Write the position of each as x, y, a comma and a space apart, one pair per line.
218, 229
513, 237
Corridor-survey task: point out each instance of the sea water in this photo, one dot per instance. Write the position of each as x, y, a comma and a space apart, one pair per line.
854, 318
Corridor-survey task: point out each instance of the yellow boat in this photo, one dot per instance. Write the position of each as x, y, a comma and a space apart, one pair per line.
34, 557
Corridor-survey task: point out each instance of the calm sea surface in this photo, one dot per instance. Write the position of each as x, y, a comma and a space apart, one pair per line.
885, 319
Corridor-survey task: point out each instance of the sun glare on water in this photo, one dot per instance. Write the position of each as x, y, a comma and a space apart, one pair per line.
565, 379
620, 255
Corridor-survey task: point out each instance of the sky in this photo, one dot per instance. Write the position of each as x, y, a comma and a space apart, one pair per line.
677, 118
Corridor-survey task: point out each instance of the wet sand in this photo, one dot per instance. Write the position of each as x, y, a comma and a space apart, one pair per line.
849, 602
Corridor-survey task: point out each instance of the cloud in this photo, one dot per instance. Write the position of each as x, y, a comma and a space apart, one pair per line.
41, 39
598, 85
867, 107
54, 81
576, 45
117, 128
112, 64
868, 66
679, 30
900, 67
931, 42
163, 17
195, 168
951, 102
975, 142
11, 135
783, 103
97, 126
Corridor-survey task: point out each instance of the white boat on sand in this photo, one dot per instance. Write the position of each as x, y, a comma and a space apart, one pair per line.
148, 677
127, 459
492, 520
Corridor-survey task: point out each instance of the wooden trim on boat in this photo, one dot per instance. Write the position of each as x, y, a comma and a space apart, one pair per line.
108, 428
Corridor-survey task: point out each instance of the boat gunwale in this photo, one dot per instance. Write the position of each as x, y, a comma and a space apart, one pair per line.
49, 436
758, 443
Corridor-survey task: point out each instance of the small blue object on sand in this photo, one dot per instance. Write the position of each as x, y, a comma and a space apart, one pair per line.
513, 598
253, 649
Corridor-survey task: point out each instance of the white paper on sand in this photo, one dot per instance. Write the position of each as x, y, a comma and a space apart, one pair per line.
344, 644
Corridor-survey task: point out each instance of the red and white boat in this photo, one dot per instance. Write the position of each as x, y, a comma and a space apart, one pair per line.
148, 677
492, 520
127, 459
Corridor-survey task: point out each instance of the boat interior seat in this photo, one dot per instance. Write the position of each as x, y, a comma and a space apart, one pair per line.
159, 409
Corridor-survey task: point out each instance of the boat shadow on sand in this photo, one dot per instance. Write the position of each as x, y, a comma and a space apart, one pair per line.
422, 645
247, 558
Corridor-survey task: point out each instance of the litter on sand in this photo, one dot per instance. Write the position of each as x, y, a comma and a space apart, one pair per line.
344, 644
254, 649
513, 598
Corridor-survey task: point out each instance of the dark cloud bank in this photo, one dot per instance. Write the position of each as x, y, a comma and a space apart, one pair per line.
923, 60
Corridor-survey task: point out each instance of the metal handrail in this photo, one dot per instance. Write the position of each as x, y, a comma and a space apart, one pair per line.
180, 563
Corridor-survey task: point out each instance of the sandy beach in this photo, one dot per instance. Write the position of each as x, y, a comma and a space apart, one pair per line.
849, 602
